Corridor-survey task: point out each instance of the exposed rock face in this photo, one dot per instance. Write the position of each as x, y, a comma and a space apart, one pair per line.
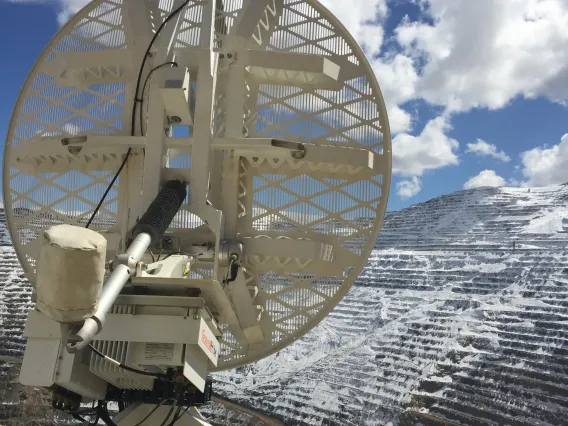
461, 314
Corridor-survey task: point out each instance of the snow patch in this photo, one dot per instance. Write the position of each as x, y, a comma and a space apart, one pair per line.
485, 267
551, 222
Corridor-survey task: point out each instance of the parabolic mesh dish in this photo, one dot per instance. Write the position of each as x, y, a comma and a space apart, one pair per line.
277, 199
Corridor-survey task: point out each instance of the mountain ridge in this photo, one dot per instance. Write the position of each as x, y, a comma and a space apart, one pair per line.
459, 315
445, 303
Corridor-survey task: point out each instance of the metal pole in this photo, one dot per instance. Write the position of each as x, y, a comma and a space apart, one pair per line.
112, 288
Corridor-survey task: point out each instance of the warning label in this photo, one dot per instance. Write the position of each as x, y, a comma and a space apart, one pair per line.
159, 352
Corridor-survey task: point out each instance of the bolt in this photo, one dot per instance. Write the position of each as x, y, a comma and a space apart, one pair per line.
229, 55
222, 56
300, 153
175, 119
75, 150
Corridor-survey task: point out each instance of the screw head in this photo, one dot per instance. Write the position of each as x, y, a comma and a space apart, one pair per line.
229, 55
175, 119
300, 153
222, 56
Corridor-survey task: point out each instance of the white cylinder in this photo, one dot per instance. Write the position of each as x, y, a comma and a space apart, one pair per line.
70, 273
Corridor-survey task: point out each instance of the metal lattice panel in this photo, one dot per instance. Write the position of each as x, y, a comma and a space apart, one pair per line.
291, 199
330, 205
50, 107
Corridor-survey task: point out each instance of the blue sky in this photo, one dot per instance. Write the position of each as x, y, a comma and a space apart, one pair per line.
476, 91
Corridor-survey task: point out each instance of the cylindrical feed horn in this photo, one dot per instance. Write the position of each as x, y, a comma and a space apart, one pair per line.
161, 212
148, 231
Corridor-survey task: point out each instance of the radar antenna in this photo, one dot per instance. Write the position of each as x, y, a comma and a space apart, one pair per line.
190, 186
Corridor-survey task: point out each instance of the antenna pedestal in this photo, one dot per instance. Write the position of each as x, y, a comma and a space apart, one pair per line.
154, 333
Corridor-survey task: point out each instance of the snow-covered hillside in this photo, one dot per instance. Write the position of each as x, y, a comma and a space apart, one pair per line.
461, 313
14, 303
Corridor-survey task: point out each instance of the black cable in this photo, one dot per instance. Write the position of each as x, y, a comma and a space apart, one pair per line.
81, 419
146, 55
232, 271
96, 421
179, 416
87, 411
104, 415
187, 254
136, 100
125, 367
176, 416
77, 414
169, 414
109, 187
85, 421
141, 109
178, 396
150, 413
171, 254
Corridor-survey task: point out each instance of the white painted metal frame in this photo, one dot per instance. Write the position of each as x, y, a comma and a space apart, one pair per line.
45, 337
284, 73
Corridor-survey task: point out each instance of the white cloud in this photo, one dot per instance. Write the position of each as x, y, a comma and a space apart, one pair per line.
479, 53
432, 149
484, 179
544, 166
364, 19
409, 188
65, 8
68, 8
397, 78
396, 73
518, 49
484, 53
361, 18
483, 148
399, 120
